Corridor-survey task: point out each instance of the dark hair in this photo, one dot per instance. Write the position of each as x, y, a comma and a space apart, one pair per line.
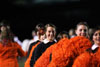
50, 25
94, 30
39, 26
60, 35
82, 23
7, 34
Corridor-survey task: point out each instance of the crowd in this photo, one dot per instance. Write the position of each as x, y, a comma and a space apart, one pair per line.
77, 47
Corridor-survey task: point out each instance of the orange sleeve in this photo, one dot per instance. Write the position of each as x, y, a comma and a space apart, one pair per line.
8, 55
44, 59
65, 56
58, 52
27, 63
84, 60
20, 51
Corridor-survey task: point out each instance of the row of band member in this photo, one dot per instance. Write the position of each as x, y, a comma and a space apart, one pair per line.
47, 51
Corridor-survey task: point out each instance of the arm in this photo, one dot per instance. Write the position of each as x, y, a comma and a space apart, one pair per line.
20, 51
35, 55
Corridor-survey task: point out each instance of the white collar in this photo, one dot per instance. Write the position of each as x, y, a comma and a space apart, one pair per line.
45, 41
94, 46
55, 40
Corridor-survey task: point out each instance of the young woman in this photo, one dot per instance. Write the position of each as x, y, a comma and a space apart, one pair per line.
33, 46
27, 45
82, 29
9, 50
45, 58
39, 29
91, 58
50, 33
70, 50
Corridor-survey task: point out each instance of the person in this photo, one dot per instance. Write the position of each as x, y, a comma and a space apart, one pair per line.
3, 24
39, 30
50, 33
64, 57
10, 50
62, 34
33, 46
82, 29
15, 38
91, 32
34, 36
72, 33
45, 58
91, 58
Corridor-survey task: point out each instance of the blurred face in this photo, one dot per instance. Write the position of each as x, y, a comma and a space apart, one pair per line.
41, 32
3, 28
96, 37
65, 36
71, 32
82, 30
50, 33
42, 37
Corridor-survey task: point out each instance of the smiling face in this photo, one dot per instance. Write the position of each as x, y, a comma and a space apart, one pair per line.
50, 33
96, 37
82, 30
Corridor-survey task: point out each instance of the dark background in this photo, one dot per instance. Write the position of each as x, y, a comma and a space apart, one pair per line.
23, 15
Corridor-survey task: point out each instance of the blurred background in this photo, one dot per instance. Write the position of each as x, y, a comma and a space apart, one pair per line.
23, 15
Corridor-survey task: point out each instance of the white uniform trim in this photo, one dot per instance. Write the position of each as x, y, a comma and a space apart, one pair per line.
94, 46
45, 41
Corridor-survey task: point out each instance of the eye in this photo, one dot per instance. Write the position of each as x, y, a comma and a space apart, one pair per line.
95, 34
52, 31
80, 30
85, 30
49, 31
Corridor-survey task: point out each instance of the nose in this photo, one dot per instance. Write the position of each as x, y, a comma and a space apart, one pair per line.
83, 31
51, 33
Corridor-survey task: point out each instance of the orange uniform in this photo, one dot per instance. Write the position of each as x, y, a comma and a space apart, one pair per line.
64, 57
27, 63
44, 59
88, 59
9, 54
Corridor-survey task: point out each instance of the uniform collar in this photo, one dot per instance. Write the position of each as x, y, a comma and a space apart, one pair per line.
94, 46
47, 41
